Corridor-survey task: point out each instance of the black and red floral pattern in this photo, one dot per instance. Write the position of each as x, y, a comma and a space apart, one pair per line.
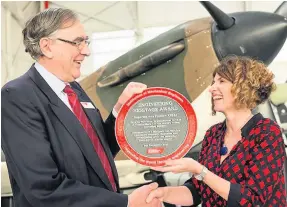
254, 166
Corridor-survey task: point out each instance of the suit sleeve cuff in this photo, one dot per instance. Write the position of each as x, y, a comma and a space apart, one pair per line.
195, 196
234, 195
115, 113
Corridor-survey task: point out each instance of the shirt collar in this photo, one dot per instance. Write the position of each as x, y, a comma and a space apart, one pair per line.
251, 124
245, 130
53, 81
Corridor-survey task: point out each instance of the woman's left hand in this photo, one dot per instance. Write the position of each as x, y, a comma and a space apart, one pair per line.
180, 165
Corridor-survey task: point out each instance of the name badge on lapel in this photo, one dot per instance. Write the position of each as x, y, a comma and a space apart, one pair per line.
87, 105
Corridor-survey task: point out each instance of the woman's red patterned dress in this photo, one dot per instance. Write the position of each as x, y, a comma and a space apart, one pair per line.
254, 166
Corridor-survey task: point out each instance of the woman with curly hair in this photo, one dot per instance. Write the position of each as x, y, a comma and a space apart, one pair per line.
241, 160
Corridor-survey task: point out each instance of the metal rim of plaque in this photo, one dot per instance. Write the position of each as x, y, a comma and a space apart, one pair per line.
156, 125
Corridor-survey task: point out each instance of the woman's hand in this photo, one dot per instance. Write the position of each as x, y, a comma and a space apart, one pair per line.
158, 193
178, 195
180, 165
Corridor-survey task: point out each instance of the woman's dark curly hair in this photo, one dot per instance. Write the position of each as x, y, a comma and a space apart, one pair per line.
252, 81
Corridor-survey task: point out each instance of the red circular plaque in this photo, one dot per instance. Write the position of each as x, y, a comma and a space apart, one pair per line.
180, 103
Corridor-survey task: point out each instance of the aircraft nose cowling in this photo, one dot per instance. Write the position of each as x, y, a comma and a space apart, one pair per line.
260, 35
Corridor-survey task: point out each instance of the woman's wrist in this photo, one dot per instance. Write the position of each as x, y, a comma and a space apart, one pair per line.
165, 193
199, 169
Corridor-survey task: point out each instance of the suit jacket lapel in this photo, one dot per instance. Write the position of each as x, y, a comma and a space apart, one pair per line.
72, 124
95, 119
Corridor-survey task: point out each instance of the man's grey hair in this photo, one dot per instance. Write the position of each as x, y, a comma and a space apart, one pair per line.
45, 24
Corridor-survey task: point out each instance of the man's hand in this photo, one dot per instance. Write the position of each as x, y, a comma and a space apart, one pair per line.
138, 197
131, 89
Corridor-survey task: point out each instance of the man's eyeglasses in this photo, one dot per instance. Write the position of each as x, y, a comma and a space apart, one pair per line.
79, 44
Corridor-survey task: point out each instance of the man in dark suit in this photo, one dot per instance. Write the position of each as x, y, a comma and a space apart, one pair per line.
59, 151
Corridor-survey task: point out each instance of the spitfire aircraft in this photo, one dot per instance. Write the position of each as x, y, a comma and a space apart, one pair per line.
184, 57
